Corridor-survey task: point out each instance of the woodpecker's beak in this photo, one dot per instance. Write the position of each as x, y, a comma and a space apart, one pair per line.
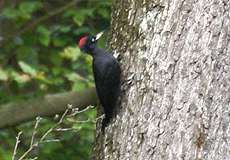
99, 35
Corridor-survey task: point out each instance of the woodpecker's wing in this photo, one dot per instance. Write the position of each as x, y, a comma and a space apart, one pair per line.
107, 80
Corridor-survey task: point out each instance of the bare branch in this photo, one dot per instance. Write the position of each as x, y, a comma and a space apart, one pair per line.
38, 119
59, 122
16, 145
15, 113
34, 144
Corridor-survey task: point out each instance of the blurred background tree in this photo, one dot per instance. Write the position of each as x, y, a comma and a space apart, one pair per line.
39, 56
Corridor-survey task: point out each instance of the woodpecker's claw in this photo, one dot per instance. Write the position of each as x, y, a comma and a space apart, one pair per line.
99, 35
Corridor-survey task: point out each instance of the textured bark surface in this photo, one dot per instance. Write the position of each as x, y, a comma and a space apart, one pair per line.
175, 57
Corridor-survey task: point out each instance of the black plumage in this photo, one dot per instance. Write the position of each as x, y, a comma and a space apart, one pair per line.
107, 72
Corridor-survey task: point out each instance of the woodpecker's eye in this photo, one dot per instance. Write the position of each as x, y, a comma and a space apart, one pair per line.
93, 40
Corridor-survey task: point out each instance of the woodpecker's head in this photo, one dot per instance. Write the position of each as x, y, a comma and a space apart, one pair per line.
88, 43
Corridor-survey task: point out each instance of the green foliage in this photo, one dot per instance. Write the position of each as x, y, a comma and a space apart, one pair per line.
43, 35
71, 53
3, 75
27, 68
42, 54
21, 12
39, 56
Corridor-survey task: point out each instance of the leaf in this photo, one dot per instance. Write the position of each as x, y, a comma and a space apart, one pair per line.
40, 76
104, 13
71, 53
44, 35
73, 77
82, 15
10, 13
27, 68
81, 30
29, 7
3, 75
78, 86
58, 42
65, 29
87, 12
27, 53
69, 13
20, 78
24, 10
5, 154
79, 20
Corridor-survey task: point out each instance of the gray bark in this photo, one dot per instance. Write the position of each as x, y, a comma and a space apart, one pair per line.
175, 57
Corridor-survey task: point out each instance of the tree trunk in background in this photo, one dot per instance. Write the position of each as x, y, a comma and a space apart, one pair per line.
175, 57
15, 113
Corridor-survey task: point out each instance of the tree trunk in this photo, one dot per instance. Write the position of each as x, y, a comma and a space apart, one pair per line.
175, 57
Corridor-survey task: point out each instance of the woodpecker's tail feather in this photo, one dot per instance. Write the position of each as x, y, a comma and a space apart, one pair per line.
105, 122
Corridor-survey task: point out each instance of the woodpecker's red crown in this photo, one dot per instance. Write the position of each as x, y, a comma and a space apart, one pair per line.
88, 43
82, 42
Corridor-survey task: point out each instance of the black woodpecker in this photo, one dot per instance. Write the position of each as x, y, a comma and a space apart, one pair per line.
106, 72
